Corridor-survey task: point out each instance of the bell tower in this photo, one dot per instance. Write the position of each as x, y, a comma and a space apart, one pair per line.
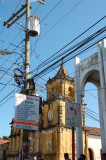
60, 85
55, 135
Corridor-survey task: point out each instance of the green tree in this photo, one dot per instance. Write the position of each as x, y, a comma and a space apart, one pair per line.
5, 137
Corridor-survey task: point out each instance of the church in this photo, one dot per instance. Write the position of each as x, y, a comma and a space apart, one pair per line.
53, 138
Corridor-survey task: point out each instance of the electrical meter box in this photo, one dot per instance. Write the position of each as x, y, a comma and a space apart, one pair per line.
33, 26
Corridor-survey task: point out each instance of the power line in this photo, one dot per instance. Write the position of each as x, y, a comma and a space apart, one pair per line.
37, 8
92, 95
51, 11
44, 19
13, 63
9, 74
62, 18
7, 84
57, 63
11, 44
91, 117
6, 60
86, 108
43, 64
17, 5
6, 101
7, 95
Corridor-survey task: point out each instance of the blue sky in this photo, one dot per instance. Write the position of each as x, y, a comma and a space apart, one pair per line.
61, 21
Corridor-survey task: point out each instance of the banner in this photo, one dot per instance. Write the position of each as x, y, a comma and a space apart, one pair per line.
26, 112
72, 111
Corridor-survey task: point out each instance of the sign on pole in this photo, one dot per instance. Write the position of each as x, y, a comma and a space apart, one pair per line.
72, 114
26, 112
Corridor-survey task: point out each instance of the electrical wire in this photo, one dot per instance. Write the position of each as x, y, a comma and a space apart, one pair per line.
51, 11
89, 116
11, 44
8, 99
51, 67
9, 74
43, 20
13, 63
10, 61
5, 101
7, 95
92, 112
17, 6
43, 64
6, 84
62, 18
77, 71
37, 8
57, 63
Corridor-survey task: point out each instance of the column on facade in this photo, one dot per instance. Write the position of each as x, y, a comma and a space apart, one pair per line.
102, 98
78, 100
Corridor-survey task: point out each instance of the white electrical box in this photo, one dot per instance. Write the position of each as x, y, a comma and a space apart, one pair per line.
33, 26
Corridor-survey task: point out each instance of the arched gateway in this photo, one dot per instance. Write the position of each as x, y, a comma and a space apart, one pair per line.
93, 70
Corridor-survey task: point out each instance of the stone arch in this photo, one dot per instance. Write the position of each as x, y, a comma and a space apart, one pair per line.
92, 69
91, 76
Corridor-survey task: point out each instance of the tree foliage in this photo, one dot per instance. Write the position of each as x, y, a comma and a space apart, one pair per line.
5, 137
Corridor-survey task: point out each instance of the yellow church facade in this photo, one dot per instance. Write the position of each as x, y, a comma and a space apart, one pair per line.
53, 138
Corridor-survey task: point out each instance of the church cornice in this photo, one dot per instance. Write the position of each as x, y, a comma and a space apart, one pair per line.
60, 77
57, 129
49, 101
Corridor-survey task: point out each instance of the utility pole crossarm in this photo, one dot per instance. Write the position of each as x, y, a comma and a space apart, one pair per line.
43, 2
23, 6
16, 14
18, 17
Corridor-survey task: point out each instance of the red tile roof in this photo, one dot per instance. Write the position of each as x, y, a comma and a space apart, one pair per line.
93, 131
2, 141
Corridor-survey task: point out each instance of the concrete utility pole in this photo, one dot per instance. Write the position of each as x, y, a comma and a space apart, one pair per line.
27, 49
16, 16
27, 76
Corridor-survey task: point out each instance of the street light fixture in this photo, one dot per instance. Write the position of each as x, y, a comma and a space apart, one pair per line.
5, 52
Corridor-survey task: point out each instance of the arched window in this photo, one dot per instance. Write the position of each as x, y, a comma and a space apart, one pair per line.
91, 154
71, 91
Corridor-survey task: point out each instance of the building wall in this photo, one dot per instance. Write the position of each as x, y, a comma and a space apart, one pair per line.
55, 142
4, 150
94, 143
